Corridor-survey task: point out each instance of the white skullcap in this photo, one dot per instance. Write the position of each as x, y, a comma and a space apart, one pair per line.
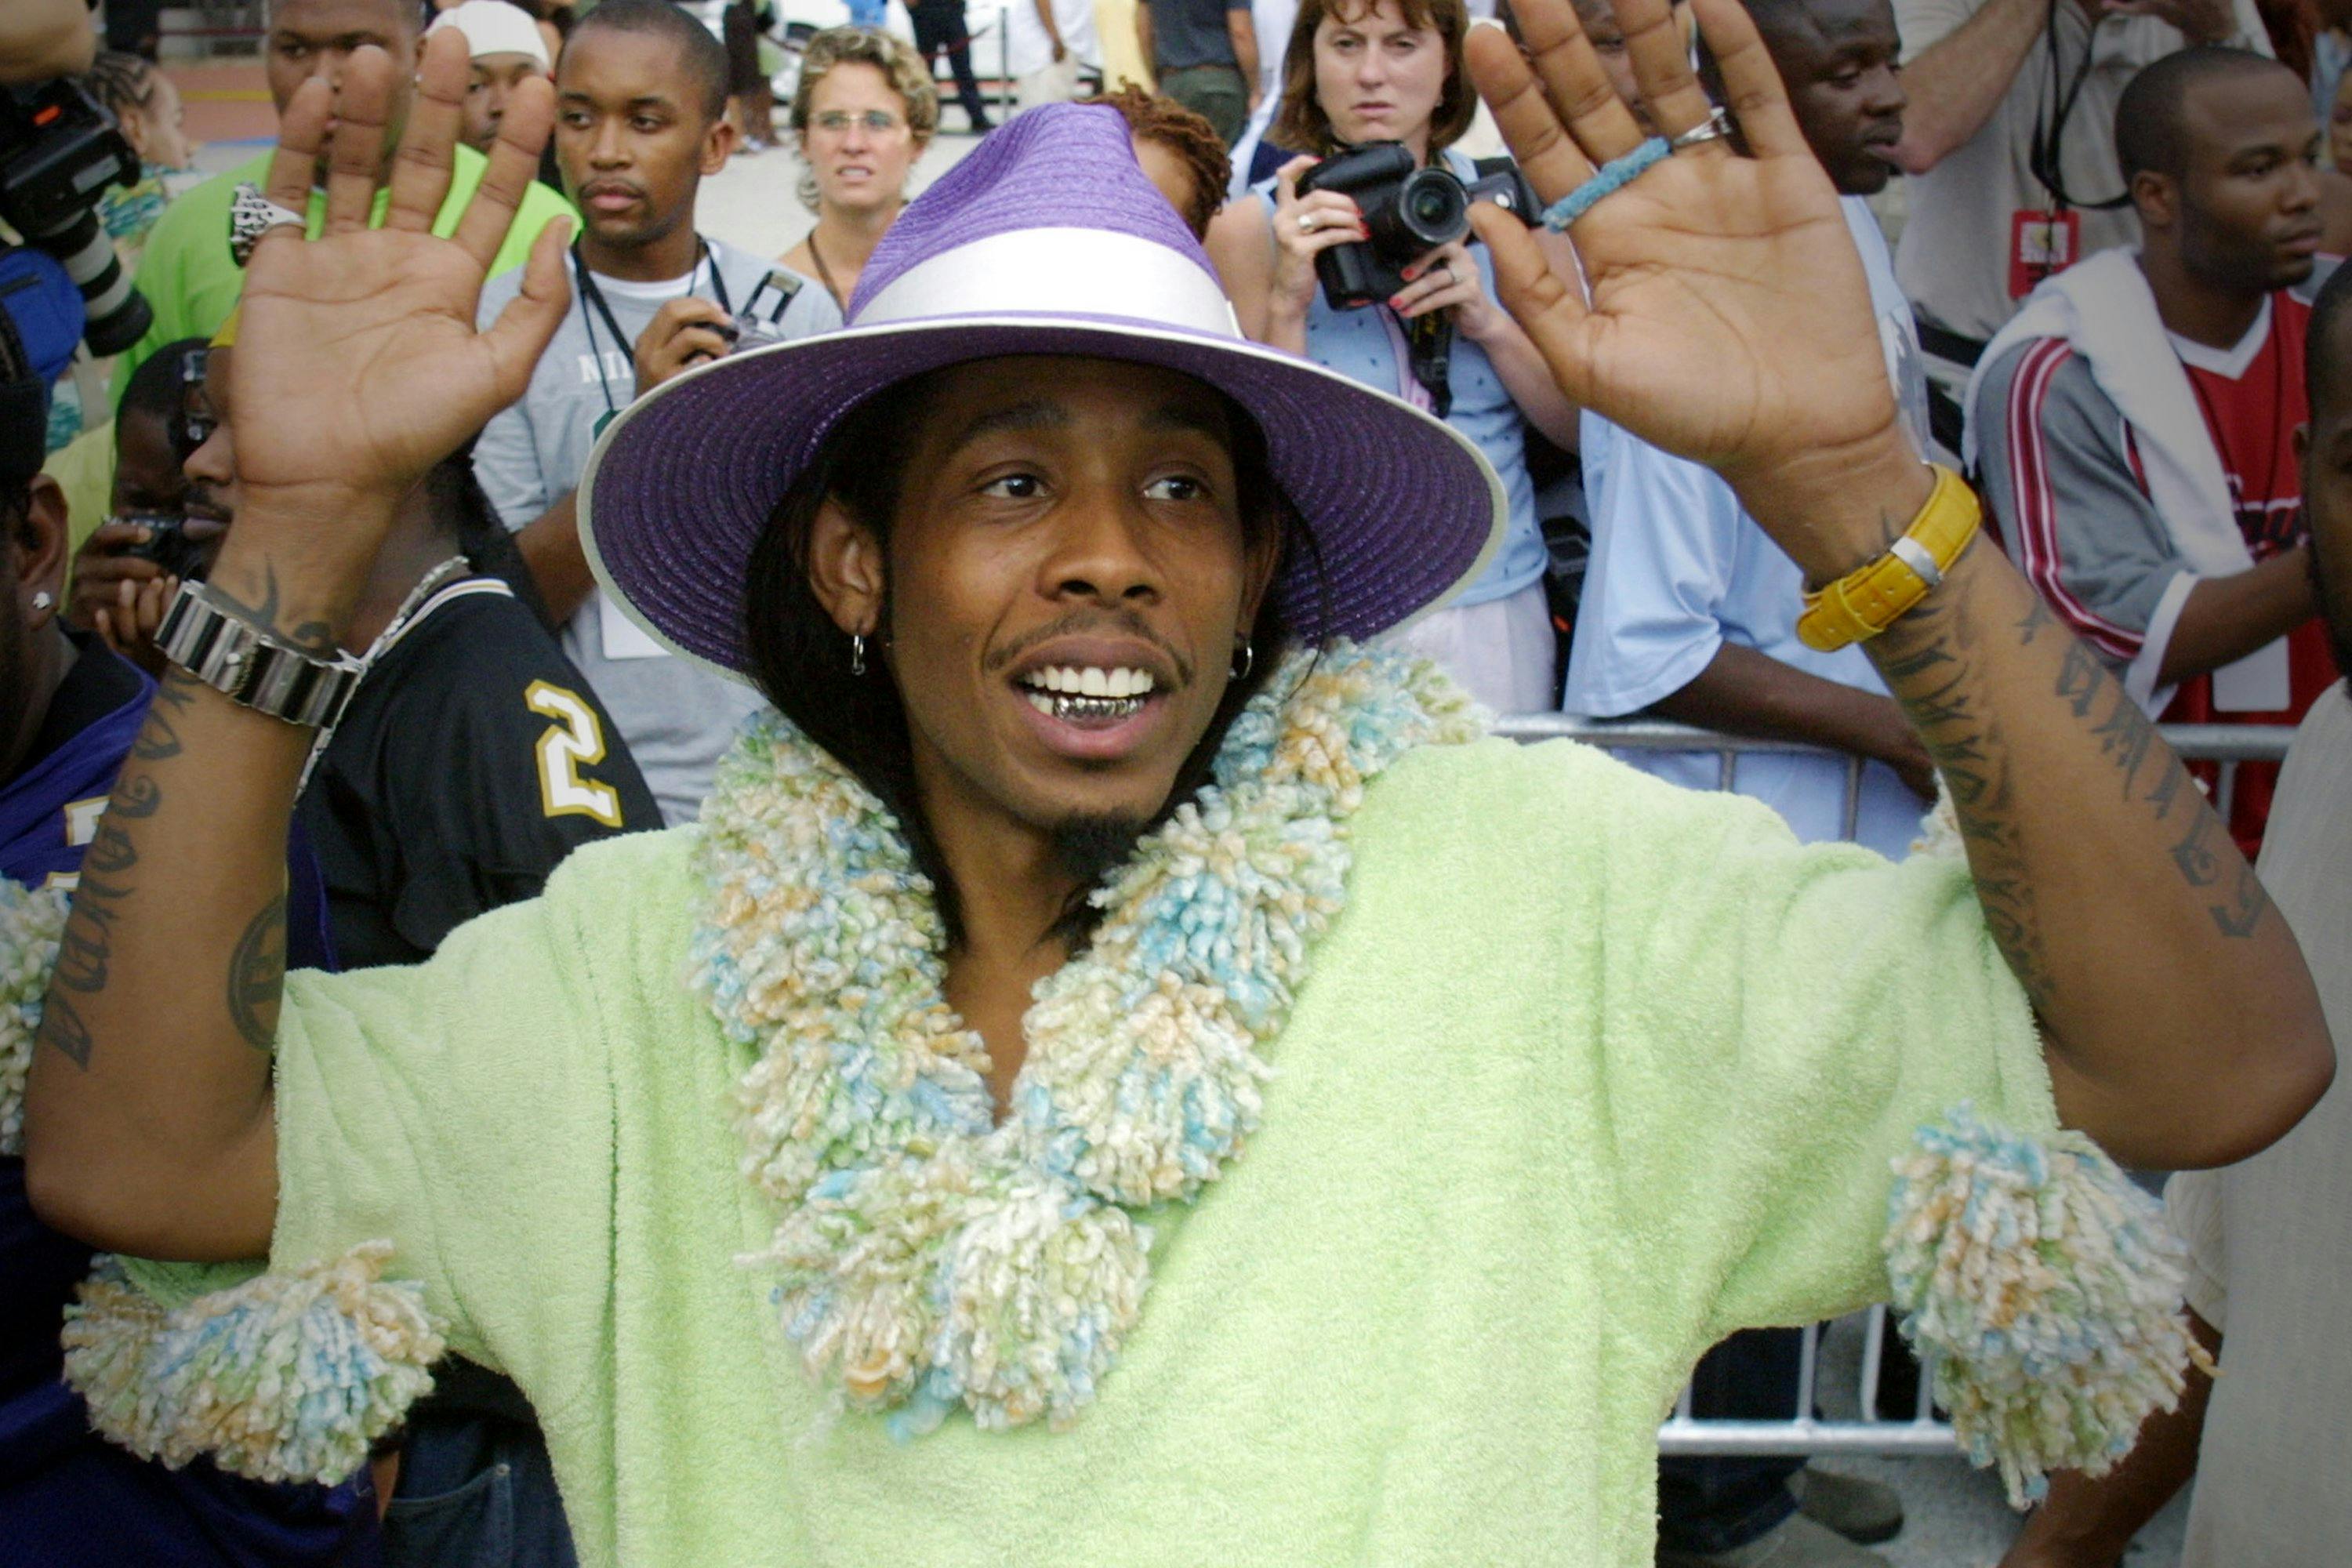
494, 27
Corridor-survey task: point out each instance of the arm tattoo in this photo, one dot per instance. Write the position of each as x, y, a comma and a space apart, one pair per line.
256, 977
316, 636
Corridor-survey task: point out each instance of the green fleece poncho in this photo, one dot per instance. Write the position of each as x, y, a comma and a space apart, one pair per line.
1591, 1071
1587, 1072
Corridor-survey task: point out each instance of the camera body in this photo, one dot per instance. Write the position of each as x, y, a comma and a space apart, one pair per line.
172, 546
60, 150
1410, 210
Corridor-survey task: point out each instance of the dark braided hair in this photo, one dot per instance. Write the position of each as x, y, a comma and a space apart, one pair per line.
122, 81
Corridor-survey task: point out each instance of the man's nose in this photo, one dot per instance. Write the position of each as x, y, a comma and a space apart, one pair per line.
1098, 552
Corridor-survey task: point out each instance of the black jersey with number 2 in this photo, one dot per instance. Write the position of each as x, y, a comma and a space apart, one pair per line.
471, 761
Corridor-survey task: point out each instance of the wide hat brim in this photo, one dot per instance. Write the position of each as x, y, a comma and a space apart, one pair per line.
1404, 511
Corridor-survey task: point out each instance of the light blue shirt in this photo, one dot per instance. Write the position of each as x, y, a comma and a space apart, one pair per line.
1366, 346
1678, 569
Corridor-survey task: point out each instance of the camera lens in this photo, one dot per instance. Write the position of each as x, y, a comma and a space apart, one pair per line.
1433, 207
118, 313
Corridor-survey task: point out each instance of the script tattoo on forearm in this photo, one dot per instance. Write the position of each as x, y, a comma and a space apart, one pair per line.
256, 977
85, 948
1933, 669
1930, 661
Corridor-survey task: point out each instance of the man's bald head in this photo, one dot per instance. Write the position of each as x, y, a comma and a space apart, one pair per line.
2154, 129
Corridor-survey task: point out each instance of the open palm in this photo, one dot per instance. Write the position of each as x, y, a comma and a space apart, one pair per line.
1729, 320
358, 363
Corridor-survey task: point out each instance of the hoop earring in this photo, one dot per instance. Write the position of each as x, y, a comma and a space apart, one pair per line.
1247, 656
858, 654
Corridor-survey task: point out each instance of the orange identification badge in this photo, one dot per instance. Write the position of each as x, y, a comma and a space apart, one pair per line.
2040, 244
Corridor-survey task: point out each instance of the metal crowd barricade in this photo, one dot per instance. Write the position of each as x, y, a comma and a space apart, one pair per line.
1869, 1430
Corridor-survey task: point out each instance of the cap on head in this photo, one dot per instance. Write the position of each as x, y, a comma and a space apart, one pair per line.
494, 27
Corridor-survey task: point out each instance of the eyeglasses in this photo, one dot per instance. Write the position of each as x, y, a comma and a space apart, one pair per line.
877, 121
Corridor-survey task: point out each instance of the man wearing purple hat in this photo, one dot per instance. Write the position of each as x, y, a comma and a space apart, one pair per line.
1120, 1074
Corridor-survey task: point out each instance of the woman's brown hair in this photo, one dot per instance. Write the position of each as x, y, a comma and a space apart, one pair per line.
1302, 125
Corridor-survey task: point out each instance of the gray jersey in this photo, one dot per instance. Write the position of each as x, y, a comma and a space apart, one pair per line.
2061, 477
677, 718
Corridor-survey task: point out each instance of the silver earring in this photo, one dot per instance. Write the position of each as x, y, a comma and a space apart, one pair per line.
41, 601
1244, 660
858, 654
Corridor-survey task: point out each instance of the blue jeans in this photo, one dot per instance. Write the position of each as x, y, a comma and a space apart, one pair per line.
1708, 1505
476, 1491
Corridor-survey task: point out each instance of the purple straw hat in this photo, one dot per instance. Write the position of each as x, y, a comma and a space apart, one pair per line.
1047, 239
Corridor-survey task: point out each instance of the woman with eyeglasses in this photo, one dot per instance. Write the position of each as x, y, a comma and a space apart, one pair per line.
864, 111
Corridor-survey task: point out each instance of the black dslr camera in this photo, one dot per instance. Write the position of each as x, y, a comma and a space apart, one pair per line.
58, 148
1410, 210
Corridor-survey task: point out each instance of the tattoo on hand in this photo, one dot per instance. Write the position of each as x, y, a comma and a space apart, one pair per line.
256, 977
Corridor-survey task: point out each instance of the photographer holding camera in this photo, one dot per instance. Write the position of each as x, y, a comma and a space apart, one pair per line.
1356, 76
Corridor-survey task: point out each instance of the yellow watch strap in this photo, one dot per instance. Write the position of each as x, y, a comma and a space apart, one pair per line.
1874, 595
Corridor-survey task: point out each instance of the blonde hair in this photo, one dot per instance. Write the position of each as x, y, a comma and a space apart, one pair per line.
908, 76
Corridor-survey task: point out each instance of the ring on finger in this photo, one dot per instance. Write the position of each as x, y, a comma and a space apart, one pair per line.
1717, 126
252, 214
1306, 223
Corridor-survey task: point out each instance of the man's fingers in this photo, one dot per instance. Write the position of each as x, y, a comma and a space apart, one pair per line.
355, 151
109, 537
514, 163
1549, 157
1547, 309
520, 333
421, 168
1575, 81
1751, 87
1662, 65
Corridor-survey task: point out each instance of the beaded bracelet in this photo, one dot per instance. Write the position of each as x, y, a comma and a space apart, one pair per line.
1609, 178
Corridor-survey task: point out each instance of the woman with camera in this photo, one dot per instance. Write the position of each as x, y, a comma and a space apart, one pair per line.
1392, 71
864, 111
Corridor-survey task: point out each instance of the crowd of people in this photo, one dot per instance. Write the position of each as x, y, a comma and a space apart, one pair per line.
1027, 646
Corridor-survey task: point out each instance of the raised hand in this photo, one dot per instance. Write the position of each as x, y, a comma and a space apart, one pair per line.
357, 365
1729, 321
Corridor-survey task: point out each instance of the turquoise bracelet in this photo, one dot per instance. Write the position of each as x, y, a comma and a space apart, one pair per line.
1609, 178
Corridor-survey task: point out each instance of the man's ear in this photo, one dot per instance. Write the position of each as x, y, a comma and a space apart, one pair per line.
39, 544
1260, 560
846, 570
718, 145
2156, 197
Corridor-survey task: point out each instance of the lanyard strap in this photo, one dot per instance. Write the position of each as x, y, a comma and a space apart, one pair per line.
592, 298
2042, 153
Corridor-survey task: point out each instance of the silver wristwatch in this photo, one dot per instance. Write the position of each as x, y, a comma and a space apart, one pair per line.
250, 666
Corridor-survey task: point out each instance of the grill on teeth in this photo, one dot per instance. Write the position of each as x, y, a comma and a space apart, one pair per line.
1090, 681
1068, 706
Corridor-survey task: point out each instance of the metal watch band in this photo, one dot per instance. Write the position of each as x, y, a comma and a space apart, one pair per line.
251, 668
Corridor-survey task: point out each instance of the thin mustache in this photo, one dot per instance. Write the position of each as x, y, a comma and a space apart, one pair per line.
1085, 623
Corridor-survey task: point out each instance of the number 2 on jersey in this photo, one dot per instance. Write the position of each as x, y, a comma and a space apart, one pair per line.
575, 739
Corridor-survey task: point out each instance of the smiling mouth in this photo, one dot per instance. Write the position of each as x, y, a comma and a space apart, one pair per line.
1093, 698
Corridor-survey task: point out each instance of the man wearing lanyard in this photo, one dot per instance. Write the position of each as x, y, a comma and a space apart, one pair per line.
2137, 419
640, 119
2010, 141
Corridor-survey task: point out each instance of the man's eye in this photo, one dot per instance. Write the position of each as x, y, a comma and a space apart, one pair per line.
1175, 487
1014, 486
